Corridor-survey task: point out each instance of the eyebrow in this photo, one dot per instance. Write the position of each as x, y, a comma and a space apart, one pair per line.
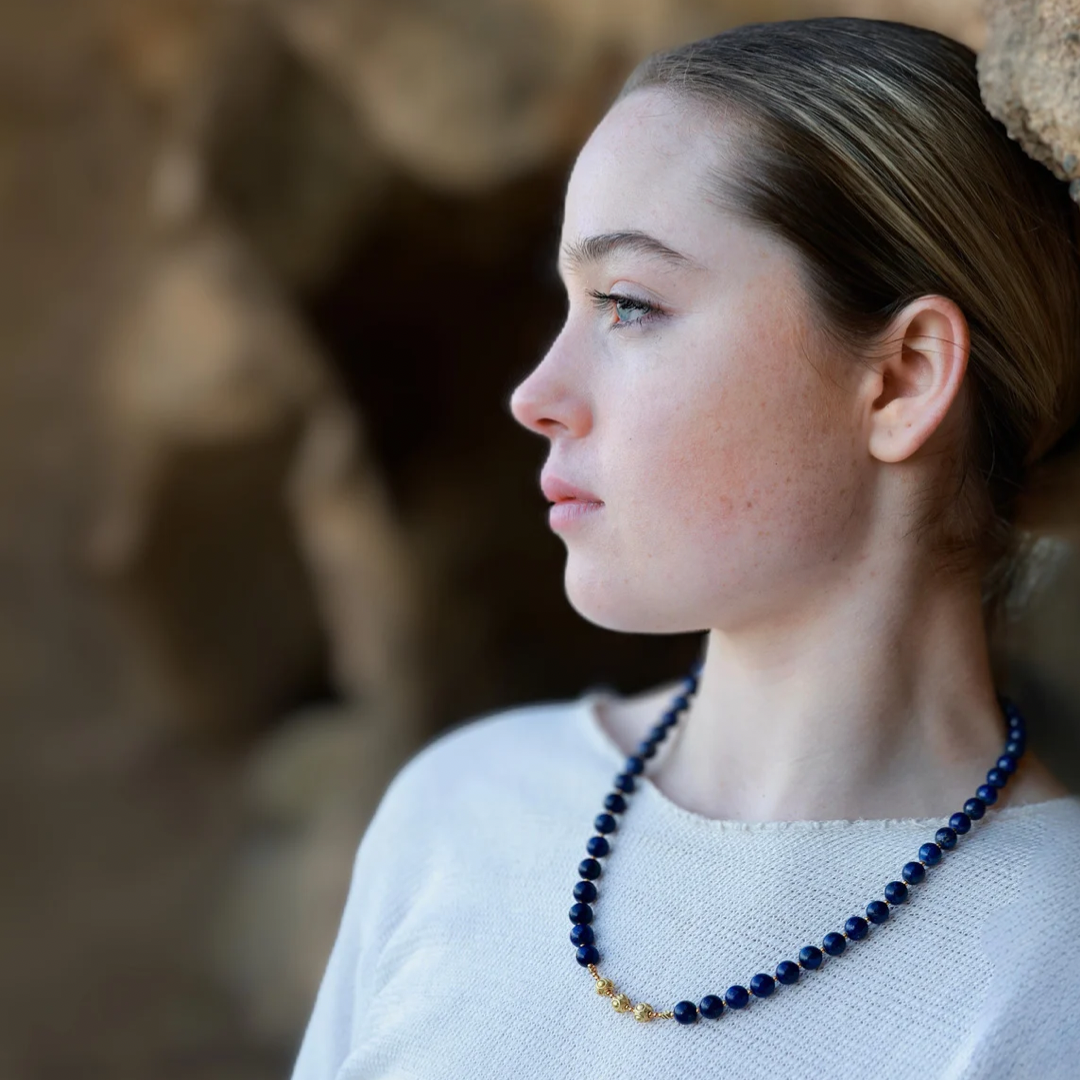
594, 249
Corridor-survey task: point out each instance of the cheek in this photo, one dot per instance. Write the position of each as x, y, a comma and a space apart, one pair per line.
767, 462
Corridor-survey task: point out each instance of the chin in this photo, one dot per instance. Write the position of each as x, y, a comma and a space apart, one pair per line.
613, 604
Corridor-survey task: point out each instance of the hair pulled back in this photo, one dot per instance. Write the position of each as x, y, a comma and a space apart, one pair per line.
865, 144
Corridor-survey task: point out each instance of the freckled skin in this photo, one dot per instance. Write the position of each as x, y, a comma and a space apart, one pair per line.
718, 436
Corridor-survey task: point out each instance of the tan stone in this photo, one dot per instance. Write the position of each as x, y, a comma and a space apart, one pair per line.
1030, 78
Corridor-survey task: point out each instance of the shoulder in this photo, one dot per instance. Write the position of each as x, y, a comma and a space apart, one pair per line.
505, 757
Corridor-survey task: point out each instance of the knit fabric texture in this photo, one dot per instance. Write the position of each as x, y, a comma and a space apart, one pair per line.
453, 958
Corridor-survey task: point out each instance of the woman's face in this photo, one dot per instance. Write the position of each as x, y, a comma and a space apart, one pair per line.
726, 448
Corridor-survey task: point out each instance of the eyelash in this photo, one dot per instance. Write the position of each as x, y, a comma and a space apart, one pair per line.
608, 301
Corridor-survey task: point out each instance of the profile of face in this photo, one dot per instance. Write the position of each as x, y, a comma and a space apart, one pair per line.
689, 393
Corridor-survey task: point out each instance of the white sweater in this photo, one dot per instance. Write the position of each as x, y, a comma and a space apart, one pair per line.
454, 961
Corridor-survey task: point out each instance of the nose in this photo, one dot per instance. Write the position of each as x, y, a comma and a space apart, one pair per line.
547, 401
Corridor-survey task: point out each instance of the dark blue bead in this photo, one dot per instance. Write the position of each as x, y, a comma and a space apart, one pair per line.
896, 892
762, 985
1014, 747
810, 957
624, 782
913, 872
946, 838
615, 803
685, 1012
598, 846
930, 854
834, 944
605, 823
690, 684
1007, 764
975, 808
585, 891
877, 911
588, 954
635, 766
997, 778
787, 972
581, 913
680, 703
669, 719
582, 934
736, 997
856, 928
646, 749
588, 868
711, 1007
960, 823
987, 793
658, 734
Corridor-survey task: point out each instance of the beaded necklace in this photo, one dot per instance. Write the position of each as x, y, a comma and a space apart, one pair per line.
811, 957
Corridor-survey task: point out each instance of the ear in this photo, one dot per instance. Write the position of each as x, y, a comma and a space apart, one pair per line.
918, 373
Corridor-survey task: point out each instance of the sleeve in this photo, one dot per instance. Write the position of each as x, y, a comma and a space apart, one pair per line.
377, 900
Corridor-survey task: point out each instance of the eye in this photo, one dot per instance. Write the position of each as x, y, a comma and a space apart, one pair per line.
629, 310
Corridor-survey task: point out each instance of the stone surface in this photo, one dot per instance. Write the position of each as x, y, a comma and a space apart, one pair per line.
1030, 78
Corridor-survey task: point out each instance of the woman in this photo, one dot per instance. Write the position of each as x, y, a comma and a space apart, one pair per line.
823, 328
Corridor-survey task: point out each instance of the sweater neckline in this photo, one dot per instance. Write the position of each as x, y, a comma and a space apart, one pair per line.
587, 714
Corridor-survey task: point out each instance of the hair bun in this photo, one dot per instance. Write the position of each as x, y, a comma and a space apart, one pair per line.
1028, 78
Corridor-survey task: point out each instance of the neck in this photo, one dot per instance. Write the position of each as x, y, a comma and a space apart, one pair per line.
876, 710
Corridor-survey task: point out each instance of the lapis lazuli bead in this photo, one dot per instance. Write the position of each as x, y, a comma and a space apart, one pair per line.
658, 734
635, 766
945, 838
1007, 763
680, 703
711, 1007
856, 928
975, 808
787, 972
930, 854
1014, 747
588, 954
810, 957
589, 868
896, 892
581, 913
585, 891
646, 749
685, 1012
615, 803
625, 782
736, 997
605, 823
987, 793
762, 985
960, 823
598, 846
913, 872
582, 934
669, 719
834, 944
877, 911
997, 778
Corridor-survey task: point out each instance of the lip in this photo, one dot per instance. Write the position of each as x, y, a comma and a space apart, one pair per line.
557, 490
570, 504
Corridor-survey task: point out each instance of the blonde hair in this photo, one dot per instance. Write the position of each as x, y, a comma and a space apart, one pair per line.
865, 145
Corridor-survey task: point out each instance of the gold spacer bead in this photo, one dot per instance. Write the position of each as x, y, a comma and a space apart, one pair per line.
605, 987
643, 1012
621, 1003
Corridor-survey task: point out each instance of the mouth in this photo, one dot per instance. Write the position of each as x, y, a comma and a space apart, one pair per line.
567, 513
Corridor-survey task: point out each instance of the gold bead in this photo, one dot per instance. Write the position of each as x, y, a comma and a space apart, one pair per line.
604, 986
621, 1003
643, 1012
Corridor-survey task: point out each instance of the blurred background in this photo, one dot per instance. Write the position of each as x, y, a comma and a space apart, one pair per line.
269, 270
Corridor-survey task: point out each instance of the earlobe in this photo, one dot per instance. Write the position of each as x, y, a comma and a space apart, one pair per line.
919, 373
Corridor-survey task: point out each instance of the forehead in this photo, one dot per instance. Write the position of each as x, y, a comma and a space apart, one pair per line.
646, 166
